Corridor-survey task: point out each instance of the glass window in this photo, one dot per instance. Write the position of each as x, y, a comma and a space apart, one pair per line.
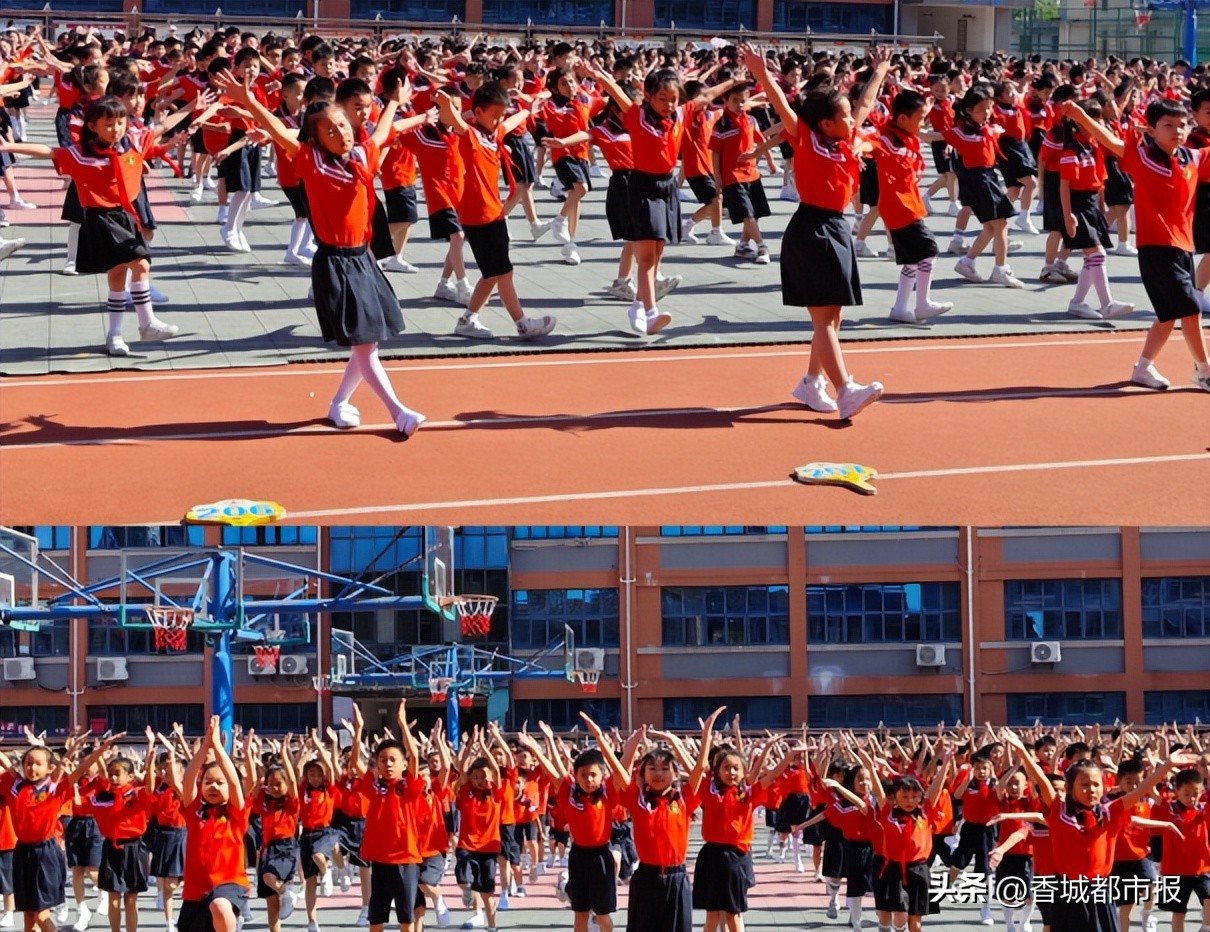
8, 642
1066, 708
1183, 706
374, 549
433, 11
564, 714
276, 717
270, 535
134, 719
719, 530
754, 712
50, 640
1176, 607
870, 528
248, 7
798, 16
552, 12
710, 14
724, 616
870, 711
49, 719
538, 616
49, 536
1062, 609
564, 532
882, 613
130, 536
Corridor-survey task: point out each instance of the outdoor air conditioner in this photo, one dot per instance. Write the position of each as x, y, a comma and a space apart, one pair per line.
258, 667
1045, 652
19, 668
591, 659
112, 670
292, 664
930, 655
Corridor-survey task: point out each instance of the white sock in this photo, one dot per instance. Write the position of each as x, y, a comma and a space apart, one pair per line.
376, 377
1027, 912
716, 229
1099, 276
1083, 283
140, 297
298, 235
924, 278
1010, 917
907, 282
73, 242
241, 203
854, 905
116, 306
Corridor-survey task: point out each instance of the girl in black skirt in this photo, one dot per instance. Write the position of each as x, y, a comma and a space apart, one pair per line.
168, 844
353, 300
612, 139
850, 813
818, 263
1119, 189
277, 803
108, 176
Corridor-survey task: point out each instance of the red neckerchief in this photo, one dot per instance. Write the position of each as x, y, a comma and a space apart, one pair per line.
115, 156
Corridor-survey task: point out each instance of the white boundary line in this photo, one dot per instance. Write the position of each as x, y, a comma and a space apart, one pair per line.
302, 368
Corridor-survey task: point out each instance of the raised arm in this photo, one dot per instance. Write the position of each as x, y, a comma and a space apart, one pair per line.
1105, 139
621, 774
356, 764
869, 95
451, 113
526, 741
226, 765
409, 741
241, 91
758, 67
612, 88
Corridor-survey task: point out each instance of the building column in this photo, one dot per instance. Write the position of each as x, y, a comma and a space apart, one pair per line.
77, 635
636, 14
764, 16
1132, 621
473, 13
796, 581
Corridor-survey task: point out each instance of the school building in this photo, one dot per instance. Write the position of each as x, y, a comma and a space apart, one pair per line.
828, 626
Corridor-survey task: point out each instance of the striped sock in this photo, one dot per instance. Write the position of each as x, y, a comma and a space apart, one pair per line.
140, 297
116, 306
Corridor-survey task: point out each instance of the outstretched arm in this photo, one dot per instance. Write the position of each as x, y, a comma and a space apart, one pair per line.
758, 67
241, 92
1094, 128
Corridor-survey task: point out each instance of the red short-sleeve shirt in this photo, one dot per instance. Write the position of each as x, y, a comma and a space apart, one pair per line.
340, 194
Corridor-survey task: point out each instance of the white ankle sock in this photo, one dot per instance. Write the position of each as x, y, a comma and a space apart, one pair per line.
907, 282
73, 242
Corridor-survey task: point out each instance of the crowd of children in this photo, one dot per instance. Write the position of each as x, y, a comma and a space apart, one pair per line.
1026, 811
476, 123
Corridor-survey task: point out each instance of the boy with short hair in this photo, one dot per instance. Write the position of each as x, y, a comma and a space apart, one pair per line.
1186, 849
733, 143
480, 802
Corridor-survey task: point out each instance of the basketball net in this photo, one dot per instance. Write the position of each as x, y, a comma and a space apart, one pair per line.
439, 688
170, 627
267, 655
588, 680
475, 614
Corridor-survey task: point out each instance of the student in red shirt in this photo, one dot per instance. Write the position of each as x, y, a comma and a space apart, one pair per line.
276, 802
1119, 189
520, 143
1186, 849
1016, 162
434, 835
481, 145
897, 156
567, 114
318, 796
1081, 190
353, 300
1165, 174
1012, 857
350, 822
941, 118
289, 111
82, 842
8, 842
215, 888
1055, 269
168, 840
734, 143
1132, 857
613, 140
481, 801
818, 262
122, 809
977, 793
697, 165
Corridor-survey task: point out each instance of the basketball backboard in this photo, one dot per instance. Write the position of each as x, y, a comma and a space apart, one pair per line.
18, 571
437, 584
569, 654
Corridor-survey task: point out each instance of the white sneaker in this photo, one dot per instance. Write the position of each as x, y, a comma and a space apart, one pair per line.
463, 292
594, 171
930, 309
209, 183
854, 398
396, 264
864, 250
665, 286
312, 926
479, 921
62, 914
1149, 924
1115, 309
561, 888
903, 315
345, 416
622, 290
833, 912
788, 193
223, 214
244, 245
471, 327
569, 254
230, 239
1124, 249
443, 913
638, 318
558, 230
197, 194
407, 422
293, 258
346, 882
1070, 275
954, 209
363, 918
657, 320
84, 914
762, 255
259, 201
966, 268
814, 394
745, 252
956, 247
20, 203
1083, 310
9, 246
687, 235
1025, 225
1015, 245
1004, 276
531, 328
539, 228
7, 921
326, 886
719, 238
502, 903
985, 916
798, 866
158, 330
446, 292
287, 904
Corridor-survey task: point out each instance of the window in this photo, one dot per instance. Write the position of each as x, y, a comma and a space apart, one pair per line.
1063, 609
410, 626
881, 613
8, 642
870, 711
718, 530
754, 712
564, 714
477, 548
868, 529
276, 717
121, 537
1176, 607
134, 719
49, 536
705, 14
432, 11
798, 16
283, 8
375, 549
49, 719
539, 615
1066, 708
563, 532
106, 638
550, 12
725, 616
270, 535
1183, 706
50, 640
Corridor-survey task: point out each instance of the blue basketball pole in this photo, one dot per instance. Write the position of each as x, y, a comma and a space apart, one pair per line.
222, 674
1190, 8
453, 730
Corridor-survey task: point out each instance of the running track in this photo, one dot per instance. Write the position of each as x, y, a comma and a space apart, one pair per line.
1039, 430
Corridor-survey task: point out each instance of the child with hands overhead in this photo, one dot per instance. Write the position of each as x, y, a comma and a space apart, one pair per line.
276, 802
163, 782
480, 800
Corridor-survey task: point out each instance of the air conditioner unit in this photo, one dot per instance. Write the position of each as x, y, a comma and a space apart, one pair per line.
112, 670
340, 666
591, 659
258, 667
930, 655
292, 664
17, 669
1045, 652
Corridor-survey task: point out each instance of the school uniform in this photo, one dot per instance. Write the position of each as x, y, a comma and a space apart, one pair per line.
480, 210
900, 166
1131, 857
398, 178
1016, 161
978, 187
1200, 139
122, 816
1049, 156
621, 840
520, 145
1082, 166
279, 839
817, 802
1186, 858
1017, 862
510, 846
1039, 118
81, 839
904, 843
696, 159
723, 872
316, 807
391, 845
975, 838
941, 118
480, 813
743, 194
613, 142
438, 154
68, 95
8, 842
214, 862
590, 866
168, 843
867, 182
353, 300
857, 827
434, 837
1083, 841
107, 182
792, 807
349, 820
660, 896
1119, 187
655, 208
39, 867
241, 168
818, 263
287, 176
1165, 187
563, 117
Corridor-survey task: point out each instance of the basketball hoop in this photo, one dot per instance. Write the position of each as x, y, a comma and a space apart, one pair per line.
267, 655
475, 614
1090, 4
322, 684
439, 688
465, 700
588, 680
170, 627
1141, 19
